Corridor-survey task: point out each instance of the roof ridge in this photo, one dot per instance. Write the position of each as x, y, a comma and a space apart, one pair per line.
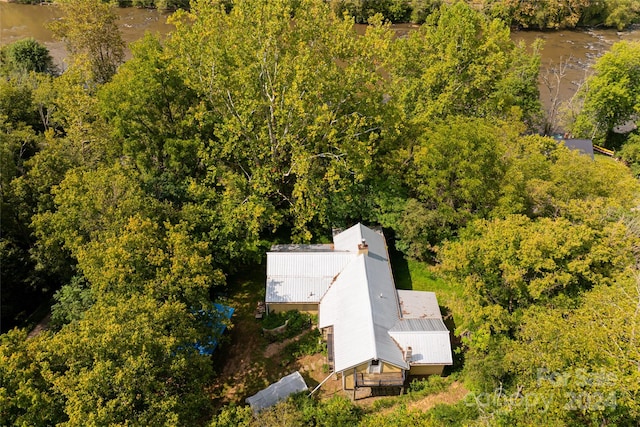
373, 323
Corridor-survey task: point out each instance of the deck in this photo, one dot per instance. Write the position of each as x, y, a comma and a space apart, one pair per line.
385, 379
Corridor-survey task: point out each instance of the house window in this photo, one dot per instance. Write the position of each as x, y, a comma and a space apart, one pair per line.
375, 367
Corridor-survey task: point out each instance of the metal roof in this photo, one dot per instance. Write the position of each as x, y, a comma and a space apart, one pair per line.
414, 304
357, 296
362, 306
295, 247
302, 277
427, 347
419, 325
303, 290
349, 240
292, 383
585, 146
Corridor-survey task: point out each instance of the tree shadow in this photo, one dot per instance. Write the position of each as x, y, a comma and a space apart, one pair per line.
457, 346
399, 267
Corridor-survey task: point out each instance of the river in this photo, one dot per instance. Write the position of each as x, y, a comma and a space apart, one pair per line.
577, 48
18, 21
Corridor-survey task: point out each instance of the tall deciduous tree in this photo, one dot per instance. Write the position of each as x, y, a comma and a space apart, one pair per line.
90, 31
293, 110
507, 266
130, 360
581, 363
26, 396
612, 94
460, 62
455, 174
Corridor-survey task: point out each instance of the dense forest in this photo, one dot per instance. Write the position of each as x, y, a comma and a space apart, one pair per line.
132, 192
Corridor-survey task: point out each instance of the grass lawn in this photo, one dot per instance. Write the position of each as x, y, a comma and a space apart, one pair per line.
419, 276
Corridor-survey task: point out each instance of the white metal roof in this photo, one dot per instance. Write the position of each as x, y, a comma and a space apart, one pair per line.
428, 347
361, 306
419, 304
357, 296
276, 392
349, 240
302, 277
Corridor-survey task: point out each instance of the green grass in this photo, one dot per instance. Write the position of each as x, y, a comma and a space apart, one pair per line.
420, 276
418, 389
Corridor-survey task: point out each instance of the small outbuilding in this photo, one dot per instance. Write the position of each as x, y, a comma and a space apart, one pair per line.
276, 392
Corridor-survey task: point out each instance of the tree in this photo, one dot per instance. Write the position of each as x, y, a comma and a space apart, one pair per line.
506, 266
26, 396
544, 178
131, 359
24, 56
611, 96
455, 173
144, 258
90, 32
148, 106
461, 63
289, 116
583, 359
630, 154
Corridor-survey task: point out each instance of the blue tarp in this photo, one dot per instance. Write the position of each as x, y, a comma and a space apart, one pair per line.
216, 319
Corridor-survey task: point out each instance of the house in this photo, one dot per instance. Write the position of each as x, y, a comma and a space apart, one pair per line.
376, 335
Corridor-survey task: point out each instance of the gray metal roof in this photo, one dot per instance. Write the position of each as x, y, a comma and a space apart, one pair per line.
292, 383
428, 347
419, 325
585, 146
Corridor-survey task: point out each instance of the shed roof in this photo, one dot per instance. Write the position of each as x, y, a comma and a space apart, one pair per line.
427, 347
414, 304
585, 146
292, 383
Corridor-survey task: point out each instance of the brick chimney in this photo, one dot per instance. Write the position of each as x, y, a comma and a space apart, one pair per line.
363, 248
408, 354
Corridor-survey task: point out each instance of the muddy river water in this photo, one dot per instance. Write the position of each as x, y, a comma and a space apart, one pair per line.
578, 49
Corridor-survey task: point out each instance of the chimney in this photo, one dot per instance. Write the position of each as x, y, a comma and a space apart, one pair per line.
408, 354
363, 248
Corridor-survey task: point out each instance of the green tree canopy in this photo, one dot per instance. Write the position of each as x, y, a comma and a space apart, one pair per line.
24, 56
130, 360
611, 96
90, 31
461, 63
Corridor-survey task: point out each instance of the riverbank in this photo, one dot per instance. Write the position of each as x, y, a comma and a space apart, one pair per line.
577, 49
